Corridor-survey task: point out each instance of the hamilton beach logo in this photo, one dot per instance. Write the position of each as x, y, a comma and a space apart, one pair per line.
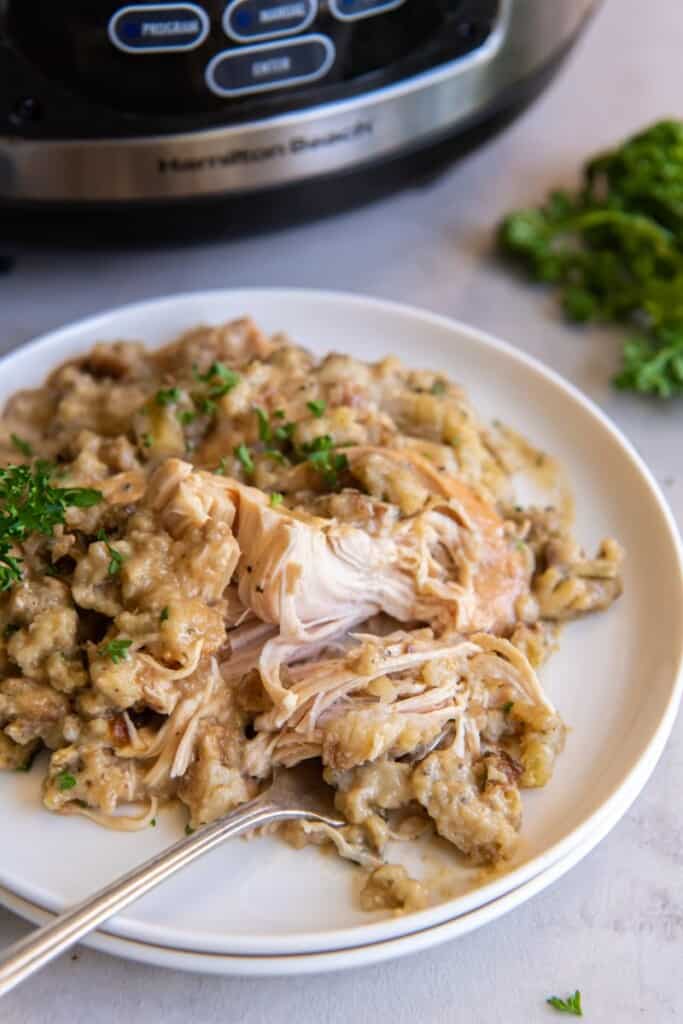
296, 146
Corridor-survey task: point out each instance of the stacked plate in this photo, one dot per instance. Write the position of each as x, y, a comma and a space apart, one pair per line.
258, 907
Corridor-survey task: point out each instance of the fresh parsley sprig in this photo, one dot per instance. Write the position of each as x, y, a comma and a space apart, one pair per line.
653, 368
571, 1005
614, 250
30, 504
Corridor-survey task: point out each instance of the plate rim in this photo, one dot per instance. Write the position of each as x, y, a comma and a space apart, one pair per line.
387, 929
326, 961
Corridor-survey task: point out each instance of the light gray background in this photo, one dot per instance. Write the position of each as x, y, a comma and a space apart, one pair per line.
614, 925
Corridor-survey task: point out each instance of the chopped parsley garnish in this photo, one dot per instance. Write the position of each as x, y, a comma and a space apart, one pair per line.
167, 396
22, 446
207, 406
275, 454
225, 379
164, 614
322, 456
215, 370
189, 830
153, 823
265, 432
116, 650
276, 499
507, 707
221, 469
187, 416
117, 559
65, 780
317, 407
270, 434
222, 389
243, 455
572, 1004
284, 432
30, 504
439, 387
520, 545
147, 440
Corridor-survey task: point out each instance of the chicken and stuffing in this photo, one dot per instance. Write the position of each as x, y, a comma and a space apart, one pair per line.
226, 555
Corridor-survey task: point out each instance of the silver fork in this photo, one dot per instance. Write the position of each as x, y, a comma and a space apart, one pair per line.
295, 794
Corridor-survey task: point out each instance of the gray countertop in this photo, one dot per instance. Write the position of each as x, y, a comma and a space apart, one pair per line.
614, 925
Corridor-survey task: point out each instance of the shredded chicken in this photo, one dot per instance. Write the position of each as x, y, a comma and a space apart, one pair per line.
290, 560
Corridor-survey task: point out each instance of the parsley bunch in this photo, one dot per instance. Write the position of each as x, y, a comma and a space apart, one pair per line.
614, 249
30, 504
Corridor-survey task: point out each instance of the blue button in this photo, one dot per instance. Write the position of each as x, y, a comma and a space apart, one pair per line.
253, 69
249, 20
158, 28
352, 10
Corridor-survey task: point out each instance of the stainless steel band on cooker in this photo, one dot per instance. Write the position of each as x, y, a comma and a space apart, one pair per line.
298, 146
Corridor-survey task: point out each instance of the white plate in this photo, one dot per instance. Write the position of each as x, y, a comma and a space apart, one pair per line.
617, 679
354, 956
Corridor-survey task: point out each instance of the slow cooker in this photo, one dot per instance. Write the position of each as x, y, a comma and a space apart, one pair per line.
103, 102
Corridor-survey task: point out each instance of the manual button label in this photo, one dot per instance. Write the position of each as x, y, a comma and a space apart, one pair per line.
249, 20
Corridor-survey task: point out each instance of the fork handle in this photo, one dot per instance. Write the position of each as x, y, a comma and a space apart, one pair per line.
42, 946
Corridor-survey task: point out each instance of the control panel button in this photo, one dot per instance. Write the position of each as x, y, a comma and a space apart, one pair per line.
352, 10
253, 69
249, 20
158, 28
